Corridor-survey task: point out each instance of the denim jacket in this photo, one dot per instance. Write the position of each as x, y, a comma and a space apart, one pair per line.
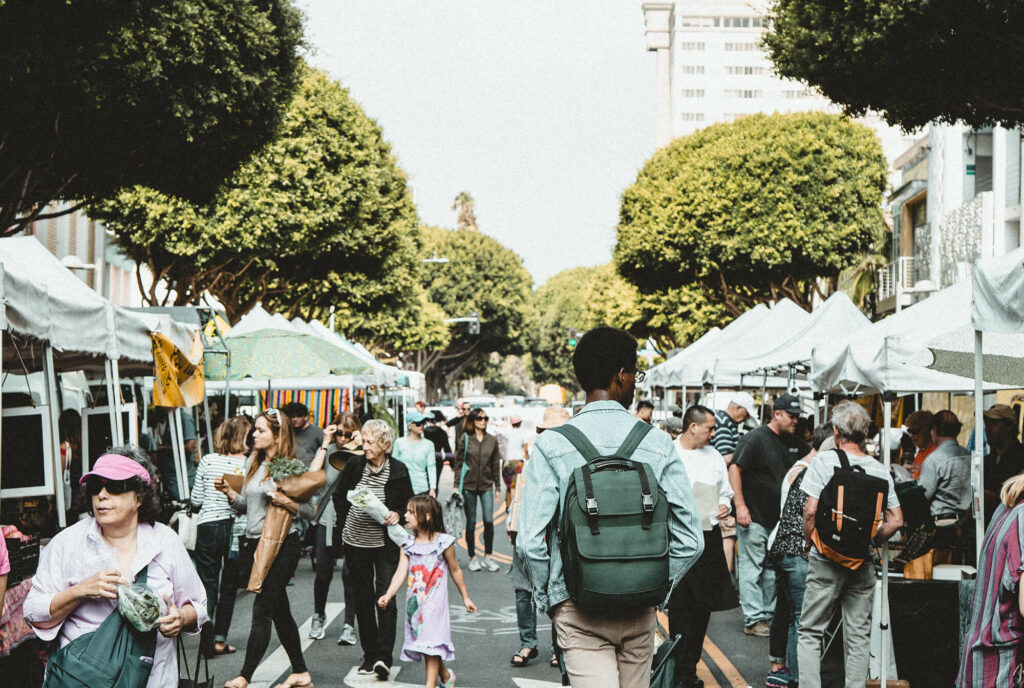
606, 424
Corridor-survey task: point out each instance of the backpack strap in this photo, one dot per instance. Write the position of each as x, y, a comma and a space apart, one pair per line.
633, 439
844, 460
578, 440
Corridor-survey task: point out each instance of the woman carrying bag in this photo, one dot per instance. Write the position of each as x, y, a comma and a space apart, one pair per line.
479, 457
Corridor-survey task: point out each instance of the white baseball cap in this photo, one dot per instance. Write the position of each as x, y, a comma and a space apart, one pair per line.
746, 402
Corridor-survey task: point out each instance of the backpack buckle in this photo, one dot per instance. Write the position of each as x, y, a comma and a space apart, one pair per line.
648, 502
592, 506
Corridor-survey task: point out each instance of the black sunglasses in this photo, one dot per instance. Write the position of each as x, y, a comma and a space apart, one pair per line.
94, 485
483, 418
415, 422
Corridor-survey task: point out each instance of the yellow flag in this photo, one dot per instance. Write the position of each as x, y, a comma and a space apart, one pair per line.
179, 381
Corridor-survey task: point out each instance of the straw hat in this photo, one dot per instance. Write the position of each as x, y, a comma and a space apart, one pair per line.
553, 417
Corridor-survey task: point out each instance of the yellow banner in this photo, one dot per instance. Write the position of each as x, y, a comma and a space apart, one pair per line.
179, 381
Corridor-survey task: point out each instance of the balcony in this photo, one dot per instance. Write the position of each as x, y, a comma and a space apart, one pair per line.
894, 278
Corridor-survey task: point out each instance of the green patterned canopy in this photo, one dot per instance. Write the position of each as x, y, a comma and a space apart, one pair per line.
273, 354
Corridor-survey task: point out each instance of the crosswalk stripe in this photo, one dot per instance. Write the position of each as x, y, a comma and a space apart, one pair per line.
277, 662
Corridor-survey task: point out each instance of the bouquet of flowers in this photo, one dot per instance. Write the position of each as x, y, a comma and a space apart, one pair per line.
297, 482
375, 509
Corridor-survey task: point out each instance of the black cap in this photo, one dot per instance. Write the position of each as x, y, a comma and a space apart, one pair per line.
789, 403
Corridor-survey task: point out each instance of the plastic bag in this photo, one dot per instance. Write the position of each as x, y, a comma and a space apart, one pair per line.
375, 509
139, 605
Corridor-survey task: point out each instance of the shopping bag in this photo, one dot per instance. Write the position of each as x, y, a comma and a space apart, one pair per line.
188, 679
454, 513
663, 668
186, 525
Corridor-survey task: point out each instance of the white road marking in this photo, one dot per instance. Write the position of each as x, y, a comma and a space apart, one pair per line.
277, 663
354, 679
534, 683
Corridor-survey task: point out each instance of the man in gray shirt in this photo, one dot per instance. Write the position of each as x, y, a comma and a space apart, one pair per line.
307, 436
946, 472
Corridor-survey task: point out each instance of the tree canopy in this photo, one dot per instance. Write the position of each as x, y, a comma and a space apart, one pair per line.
913, 62
758, 209
481, 275
581, 299
320, 217
170, 94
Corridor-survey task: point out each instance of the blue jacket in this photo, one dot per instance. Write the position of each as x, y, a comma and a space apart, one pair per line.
549, 470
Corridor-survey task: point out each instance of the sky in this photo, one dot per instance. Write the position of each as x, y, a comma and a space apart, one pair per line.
542, 109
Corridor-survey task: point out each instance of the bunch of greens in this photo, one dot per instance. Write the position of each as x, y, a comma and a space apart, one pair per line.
282, 467
139, 605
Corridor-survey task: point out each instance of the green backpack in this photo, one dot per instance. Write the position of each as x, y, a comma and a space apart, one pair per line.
613, 530
115, 655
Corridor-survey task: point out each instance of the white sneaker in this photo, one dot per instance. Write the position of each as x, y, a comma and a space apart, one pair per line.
316, 628
490, 564
348, 636
474, 564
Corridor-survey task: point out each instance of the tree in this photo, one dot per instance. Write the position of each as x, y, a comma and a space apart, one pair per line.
102, 94
580, 299
466, 207
913, 62
481, 276
320, 217
766, 207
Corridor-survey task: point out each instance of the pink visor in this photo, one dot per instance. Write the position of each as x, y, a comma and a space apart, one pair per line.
117, 467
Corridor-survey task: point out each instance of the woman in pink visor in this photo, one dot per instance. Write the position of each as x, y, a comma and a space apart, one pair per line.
75, 587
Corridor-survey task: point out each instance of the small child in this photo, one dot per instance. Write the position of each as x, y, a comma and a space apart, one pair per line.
426, 557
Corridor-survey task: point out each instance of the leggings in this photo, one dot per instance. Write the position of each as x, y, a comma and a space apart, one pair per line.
324, 573
271, 606
487, 507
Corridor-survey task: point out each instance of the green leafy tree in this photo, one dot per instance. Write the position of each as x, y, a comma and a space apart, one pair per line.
102, 94
581, 299
913, 62
481, 276
320, 217
766, 207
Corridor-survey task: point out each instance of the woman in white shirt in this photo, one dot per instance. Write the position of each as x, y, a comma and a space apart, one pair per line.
707, 587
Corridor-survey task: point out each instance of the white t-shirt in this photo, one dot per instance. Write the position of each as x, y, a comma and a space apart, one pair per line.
706, 465
515, 438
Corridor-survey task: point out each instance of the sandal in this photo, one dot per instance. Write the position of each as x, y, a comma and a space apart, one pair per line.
226, 650
554, 661
521, 659
286, 684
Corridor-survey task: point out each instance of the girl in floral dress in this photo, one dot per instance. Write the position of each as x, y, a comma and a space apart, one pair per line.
427, 557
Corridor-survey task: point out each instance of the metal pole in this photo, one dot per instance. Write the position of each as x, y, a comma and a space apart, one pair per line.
115, 381
764, 392
54, 458
883, 622
108, 381
209, 426
978, 459
178, 451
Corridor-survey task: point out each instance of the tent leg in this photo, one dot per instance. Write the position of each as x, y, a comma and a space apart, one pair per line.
883, 622
108, 380
54, 458
209, 425
178, 449
979, 447
115, 381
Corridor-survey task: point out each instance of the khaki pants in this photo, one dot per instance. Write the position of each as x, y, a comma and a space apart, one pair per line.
601, 651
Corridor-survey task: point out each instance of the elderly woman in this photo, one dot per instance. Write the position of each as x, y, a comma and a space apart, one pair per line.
371, 555
272, 438
75, 587
478, 451
992, 645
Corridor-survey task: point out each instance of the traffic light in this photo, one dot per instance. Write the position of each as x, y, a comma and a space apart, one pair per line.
573, 337
474, 324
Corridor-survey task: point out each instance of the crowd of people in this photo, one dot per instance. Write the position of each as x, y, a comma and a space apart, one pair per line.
743, 500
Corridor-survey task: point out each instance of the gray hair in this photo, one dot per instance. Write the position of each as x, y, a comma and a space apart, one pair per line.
851, 421
382, 431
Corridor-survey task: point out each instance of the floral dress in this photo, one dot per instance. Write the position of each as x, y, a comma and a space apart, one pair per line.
428, 630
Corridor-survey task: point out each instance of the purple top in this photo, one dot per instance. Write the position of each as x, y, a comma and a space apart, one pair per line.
78, 552
5, 560
997, 628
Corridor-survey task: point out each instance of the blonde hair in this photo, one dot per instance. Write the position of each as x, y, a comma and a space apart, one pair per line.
284, 441
1013, 490
231, 435
380, 430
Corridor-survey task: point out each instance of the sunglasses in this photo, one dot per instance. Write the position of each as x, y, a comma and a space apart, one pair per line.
640, 375
274, 413
415, 422
94, 485
483, 418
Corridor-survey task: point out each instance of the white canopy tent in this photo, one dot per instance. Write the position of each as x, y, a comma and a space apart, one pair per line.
659, 375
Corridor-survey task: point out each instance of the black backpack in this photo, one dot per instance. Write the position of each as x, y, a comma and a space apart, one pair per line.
850, 510
613, 529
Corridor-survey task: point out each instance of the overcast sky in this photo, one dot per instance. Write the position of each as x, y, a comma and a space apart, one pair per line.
542, 109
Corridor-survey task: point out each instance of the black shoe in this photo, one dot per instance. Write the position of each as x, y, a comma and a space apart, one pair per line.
382, 670
366, 668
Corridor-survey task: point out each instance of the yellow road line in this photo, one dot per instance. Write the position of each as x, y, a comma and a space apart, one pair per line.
705, 675
730, 672
498, 517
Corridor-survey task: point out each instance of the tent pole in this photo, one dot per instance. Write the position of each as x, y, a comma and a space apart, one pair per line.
50, 383
883, 622
979, 447
764, 392
209, 426
682, 403
180, 472
115, 381
108, 382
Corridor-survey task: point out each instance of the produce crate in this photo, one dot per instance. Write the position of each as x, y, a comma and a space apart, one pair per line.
24, 559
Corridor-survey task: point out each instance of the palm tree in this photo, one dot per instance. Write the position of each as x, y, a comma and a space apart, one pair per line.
466, 207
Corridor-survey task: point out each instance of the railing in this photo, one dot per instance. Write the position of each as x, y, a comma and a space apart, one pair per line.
901, 272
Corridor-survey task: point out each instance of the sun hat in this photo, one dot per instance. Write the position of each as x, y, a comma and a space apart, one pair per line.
1001, 412
117, 467
553, 417
745, 402
515, 420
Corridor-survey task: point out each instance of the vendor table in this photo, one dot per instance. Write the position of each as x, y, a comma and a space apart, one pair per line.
924, 616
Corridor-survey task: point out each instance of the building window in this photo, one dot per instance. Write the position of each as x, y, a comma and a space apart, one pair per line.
742, 93
692, 116
700, 22
745, 70
693, 69
693, 93
691, 45
741, 22
741, 47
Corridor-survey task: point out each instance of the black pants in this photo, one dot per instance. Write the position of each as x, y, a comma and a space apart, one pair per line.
688, 618
372, 570
219, 573
271, 606
325, 564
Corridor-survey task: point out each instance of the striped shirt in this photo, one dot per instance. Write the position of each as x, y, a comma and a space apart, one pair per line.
990, 646
213, 505
361, 530
727, 433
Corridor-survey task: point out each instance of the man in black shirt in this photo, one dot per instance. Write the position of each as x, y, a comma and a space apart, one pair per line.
761, 460
1006, 455
437, 435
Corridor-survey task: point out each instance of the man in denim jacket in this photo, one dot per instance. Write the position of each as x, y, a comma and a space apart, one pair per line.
601, 650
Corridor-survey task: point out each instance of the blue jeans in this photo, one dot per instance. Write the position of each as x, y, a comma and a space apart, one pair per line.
487, 507
757, 581
790, 583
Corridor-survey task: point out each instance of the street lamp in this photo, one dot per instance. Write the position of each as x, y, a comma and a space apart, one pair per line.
435, 259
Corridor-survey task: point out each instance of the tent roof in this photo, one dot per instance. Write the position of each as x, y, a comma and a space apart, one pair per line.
44, 302
998, 293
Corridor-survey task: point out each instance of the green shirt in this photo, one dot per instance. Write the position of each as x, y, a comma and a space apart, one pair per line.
418, 457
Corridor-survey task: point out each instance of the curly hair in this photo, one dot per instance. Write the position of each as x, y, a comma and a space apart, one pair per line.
147, 494
382, 431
